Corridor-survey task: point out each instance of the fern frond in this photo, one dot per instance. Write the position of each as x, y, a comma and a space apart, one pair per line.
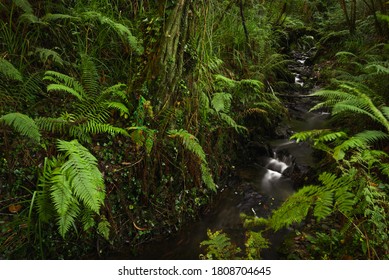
82, 172
221, 102
61, 192
122, 30
103, 228
65, 83
323, 205
223, 82
66, 221
294, 209
53, 125
379, 69
360, 140
93, 127
87, 218
24, 5
318, 135
89, 75
332, 97
344, 201
45, 54
231, 122
207, 177
190, 142
53, 17
219, 246
63, 88
22, 124
117, 106
9, 71
118, 90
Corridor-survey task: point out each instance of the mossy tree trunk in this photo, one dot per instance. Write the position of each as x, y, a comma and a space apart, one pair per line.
167, 64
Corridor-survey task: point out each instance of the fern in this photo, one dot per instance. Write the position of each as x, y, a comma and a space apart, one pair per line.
352, 97
73, 182
323, 204
9, 71
335, 194
254, 244
103, 228
65, 83
46, 54
24, 5
22, 124
231, 123
122, 30
93, 109
189, 141
221, 102
192, 144
89, 75
294, 209
360, 140
219, 247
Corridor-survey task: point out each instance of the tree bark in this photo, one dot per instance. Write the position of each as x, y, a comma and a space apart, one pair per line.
350, 16
166, 67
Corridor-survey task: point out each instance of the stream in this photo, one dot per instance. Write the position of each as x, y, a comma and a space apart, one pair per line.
258, 186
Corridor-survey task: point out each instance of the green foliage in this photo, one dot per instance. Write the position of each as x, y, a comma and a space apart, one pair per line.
71, 184
122, 30
219, 247
49, 55
22, 124
9, 71
191, 143
352, 97
254, 244
24, 5
92, 109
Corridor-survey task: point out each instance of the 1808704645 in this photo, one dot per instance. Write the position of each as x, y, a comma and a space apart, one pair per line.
241, 270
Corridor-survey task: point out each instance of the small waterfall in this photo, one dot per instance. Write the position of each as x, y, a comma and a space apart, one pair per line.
274, 181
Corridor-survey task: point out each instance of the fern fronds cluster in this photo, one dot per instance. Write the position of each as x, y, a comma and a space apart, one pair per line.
191, 143
8, 70
92, 109
219, 247
71, 184
354, 98
22, 124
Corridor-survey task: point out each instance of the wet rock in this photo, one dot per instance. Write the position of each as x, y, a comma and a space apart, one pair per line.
256, 149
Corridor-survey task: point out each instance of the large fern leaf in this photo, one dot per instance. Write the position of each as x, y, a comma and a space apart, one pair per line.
24, 5
9, 71
360, 140
65, 83
22, 124
46, 54
192, 144
89, 75
85, 178
189, 141
122, 30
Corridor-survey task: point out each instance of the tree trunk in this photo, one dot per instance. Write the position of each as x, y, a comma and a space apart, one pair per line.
350, 16
166, 67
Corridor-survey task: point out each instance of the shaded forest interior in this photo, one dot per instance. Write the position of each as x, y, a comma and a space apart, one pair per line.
121, 120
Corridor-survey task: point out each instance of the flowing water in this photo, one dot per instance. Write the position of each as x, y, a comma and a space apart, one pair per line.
264, 183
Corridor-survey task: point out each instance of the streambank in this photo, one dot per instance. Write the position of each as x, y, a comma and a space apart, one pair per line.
266, 176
